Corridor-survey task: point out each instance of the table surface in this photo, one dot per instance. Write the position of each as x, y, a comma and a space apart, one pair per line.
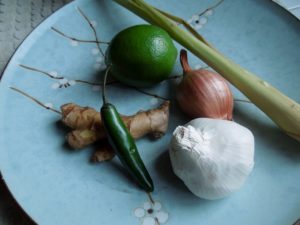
17, 19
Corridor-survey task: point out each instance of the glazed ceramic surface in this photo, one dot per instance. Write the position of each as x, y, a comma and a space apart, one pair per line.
60, 63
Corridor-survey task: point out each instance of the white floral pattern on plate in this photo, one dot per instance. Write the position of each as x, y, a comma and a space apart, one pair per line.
198, 20
151, 213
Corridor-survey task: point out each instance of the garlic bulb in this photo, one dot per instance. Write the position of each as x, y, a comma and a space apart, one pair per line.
213, 157
203, 93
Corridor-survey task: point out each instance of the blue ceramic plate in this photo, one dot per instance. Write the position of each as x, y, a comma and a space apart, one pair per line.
57, 186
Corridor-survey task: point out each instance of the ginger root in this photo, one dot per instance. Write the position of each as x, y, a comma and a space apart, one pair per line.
88, 127
77, 117
78, 139
103, 153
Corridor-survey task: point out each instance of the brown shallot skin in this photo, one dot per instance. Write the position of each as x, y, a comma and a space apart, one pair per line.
203, 93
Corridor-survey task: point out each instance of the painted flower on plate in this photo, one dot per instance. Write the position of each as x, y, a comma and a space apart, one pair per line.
151, 213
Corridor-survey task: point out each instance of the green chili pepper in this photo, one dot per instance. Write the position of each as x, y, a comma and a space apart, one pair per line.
123, 143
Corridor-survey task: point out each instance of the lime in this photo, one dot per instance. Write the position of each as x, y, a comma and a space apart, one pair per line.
141, 55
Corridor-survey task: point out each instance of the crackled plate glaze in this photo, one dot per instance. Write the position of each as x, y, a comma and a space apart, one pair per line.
60, 63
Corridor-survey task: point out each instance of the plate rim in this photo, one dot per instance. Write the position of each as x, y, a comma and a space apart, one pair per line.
4, 71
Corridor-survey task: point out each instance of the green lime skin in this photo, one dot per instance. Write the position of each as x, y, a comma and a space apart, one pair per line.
141, 55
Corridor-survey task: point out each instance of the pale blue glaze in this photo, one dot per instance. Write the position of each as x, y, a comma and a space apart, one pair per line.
57, 186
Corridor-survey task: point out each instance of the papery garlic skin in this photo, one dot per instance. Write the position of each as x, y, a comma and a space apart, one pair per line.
213, 157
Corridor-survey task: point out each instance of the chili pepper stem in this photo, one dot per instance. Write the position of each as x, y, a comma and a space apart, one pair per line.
150, 197
104, 84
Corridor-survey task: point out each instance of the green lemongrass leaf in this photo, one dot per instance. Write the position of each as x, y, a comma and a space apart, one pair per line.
284, 111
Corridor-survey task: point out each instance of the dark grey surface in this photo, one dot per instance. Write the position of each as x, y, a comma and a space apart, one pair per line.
17, 19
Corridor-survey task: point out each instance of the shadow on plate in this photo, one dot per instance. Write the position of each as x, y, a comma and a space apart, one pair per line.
269, 134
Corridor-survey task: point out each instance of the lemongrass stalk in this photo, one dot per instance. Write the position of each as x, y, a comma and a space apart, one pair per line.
284, 111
